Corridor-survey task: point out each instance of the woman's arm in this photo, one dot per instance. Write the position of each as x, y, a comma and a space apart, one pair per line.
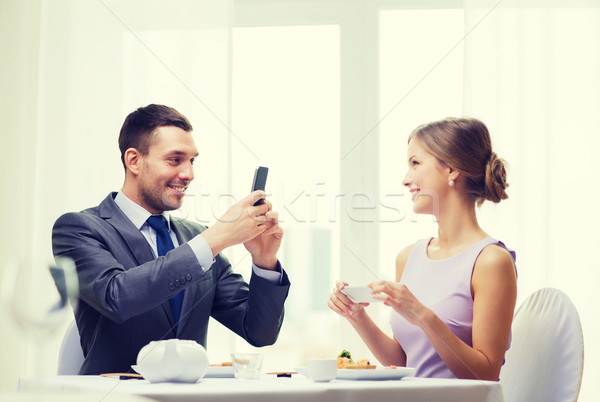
494, 294
386, 349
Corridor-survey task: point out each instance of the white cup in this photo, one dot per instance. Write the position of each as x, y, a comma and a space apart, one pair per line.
321, 370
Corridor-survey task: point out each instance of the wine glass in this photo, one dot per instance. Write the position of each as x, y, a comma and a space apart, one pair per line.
39, 295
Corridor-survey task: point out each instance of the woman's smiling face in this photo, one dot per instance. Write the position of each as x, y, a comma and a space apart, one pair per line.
427, 179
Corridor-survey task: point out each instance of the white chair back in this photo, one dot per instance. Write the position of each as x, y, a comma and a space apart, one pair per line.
70, 357
545, 360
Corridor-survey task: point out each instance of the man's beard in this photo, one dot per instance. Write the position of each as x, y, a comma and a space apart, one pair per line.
157, 200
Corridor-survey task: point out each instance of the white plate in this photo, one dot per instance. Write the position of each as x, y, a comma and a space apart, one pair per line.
359, 294
368, 374
219, 372
212, 372
375, 374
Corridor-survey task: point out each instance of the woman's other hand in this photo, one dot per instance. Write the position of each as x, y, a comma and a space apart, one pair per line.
400, 298
341, 304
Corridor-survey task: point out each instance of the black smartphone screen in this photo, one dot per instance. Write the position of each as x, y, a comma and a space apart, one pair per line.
260, 180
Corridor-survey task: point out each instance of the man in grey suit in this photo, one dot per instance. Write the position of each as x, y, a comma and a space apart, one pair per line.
127, 288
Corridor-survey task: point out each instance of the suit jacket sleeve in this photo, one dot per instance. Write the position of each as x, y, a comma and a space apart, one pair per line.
254, 312
119, 279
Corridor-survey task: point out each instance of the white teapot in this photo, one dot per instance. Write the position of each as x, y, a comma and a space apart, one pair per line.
172, 360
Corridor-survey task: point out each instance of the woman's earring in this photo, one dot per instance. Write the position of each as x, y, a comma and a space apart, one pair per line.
451, 183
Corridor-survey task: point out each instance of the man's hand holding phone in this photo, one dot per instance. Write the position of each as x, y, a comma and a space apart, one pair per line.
251, 222
264, 247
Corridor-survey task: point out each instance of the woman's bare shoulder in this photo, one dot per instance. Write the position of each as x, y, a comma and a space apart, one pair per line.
495, 257
495, 264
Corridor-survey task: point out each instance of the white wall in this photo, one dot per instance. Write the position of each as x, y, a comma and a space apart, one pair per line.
71, 71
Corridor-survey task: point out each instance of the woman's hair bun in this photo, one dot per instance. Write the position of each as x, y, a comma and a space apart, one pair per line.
495, 179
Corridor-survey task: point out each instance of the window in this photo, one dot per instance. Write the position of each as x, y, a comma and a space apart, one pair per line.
324, 94
285, 113
420, 81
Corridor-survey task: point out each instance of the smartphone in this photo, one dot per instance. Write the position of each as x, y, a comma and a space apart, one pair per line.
260, 181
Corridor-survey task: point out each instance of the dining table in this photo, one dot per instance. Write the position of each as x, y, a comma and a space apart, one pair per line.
264, 389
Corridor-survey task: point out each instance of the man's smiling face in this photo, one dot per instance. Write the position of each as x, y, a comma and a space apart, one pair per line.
167, 170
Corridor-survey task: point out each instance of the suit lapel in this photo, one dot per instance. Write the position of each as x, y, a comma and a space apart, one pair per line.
134, 239
182, 231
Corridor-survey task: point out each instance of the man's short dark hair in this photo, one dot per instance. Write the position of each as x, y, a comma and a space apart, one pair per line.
139, 127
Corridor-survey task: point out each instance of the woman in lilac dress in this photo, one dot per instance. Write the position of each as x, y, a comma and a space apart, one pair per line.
454, 295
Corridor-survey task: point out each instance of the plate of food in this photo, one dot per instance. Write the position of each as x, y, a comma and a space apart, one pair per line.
359, 294
362, 369
221, 370
376, 374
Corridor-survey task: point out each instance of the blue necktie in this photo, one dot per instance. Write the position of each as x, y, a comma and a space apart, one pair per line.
164, 244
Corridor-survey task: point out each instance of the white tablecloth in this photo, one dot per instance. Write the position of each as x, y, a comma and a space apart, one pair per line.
271, 388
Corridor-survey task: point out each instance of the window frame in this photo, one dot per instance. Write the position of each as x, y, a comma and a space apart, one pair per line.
359, 107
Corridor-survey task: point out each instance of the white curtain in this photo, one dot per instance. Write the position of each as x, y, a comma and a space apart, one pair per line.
70, 71
532, 73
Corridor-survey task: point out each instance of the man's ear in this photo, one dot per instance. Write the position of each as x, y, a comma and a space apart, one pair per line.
133, 160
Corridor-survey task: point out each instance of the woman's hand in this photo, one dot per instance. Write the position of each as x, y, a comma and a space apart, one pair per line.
397, 296
341, 304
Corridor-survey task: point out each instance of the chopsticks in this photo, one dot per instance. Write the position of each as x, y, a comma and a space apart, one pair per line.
285, 374
123, 376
